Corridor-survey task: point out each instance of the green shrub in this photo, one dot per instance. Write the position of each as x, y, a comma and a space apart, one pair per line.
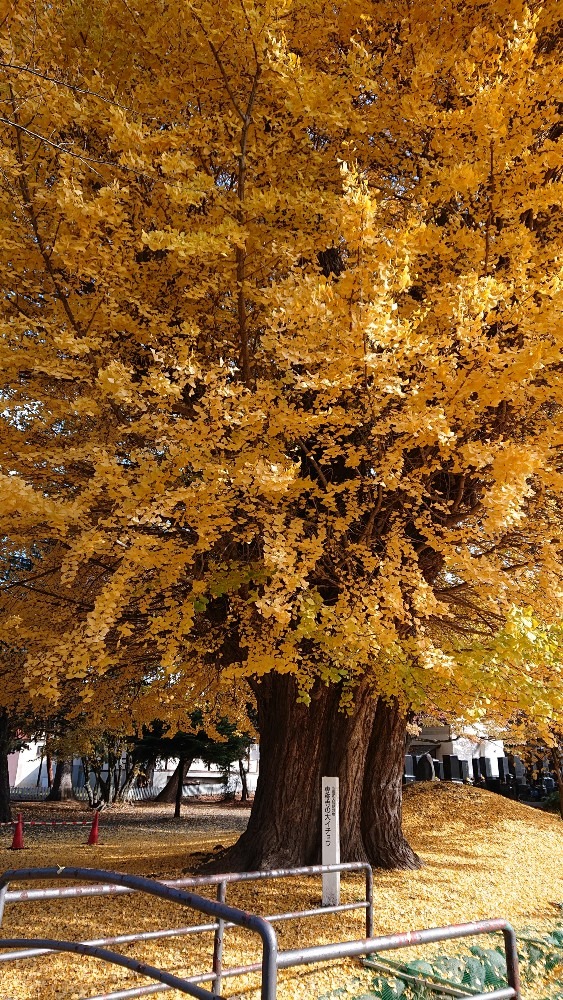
551, 804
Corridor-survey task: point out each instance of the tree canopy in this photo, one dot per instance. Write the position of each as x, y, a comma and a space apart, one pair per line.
281, 345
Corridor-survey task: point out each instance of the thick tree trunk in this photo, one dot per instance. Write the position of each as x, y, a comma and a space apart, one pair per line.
350, 739
284, 825
179, 787
62, 785
169, 792
382, 832
5, 811
298, 745
243, 781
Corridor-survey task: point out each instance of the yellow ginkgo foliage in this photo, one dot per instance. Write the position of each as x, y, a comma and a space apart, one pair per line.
282, 374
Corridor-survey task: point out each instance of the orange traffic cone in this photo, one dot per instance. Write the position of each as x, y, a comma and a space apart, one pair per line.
93, 838
17, 842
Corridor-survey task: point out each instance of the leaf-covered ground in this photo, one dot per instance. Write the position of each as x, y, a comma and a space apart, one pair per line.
484, 856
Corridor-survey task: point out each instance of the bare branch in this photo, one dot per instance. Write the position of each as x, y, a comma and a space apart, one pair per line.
314, 463
62, 83
55, 145
221, 68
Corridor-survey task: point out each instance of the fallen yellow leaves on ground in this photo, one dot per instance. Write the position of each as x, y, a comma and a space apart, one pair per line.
485, 856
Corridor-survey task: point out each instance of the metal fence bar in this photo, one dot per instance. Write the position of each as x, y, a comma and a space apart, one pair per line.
274, 873
227, 916
68, 892
172, 982
191, 929
218, 941
210, 907
141, 991
349, 949
352, 949
27, 895
120, 939
340, 908
511, 950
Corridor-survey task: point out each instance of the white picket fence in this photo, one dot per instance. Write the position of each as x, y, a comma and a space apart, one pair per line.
192, 789
31, 793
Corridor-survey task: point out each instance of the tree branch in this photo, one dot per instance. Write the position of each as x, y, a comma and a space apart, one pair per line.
29, 208
88, 160
313, 462
67, 86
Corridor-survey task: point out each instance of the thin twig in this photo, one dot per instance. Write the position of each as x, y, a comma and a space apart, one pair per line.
62, 149
221, 68
28, 203
240, 253
490, 212
67, 86
313, 462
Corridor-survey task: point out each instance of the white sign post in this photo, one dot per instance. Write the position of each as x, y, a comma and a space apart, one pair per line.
330, 840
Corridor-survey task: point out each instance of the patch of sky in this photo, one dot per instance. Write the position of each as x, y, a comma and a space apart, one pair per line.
22, 416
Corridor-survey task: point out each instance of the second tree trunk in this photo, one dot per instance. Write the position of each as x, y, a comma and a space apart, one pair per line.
62, 785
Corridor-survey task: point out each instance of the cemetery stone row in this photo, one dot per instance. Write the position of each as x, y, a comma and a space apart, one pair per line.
512, 780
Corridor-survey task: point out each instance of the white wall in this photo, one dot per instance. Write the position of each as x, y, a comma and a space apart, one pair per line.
474, 744
24, 767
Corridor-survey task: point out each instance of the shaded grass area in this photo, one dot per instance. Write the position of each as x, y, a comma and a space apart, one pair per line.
485, 856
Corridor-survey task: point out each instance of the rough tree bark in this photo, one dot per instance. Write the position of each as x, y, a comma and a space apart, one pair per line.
243, 781
382, 799
62, 784
298, 745
179, 787
5, 811
170, 790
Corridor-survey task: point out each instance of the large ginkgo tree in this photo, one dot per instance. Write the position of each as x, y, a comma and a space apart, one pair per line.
282, 374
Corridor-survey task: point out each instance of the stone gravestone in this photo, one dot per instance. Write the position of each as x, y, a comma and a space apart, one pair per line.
409, 775
493, 784
519, 783
517, 768
438, 769
477, 777
424, 768
452, 770
330, 826
523, 790
464, 766
503, 771
485, 767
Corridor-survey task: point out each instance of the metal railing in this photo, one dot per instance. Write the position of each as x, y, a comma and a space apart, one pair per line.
120, 886
220, 911
392, 942
226, 916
